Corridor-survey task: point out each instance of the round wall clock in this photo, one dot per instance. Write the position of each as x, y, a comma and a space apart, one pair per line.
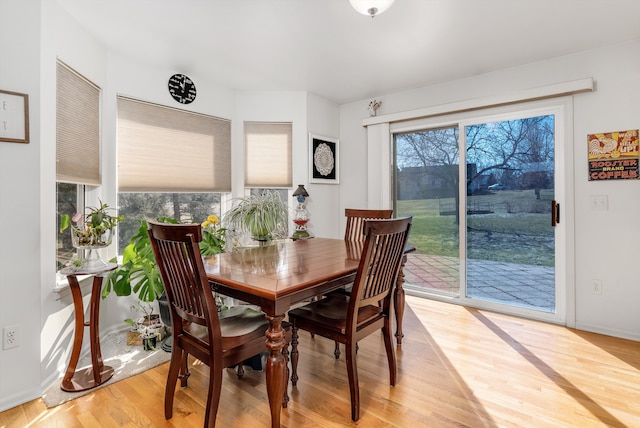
182, 88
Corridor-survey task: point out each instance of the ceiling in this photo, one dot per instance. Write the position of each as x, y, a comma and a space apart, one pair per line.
325, 47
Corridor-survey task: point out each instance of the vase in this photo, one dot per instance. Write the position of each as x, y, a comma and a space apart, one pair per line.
150, 325
149, 342
90, 240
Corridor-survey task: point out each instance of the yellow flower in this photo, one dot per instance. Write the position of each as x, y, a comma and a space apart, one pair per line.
212, 219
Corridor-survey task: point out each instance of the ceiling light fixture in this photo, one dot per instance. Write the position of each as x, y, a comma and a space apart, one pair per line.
371, 7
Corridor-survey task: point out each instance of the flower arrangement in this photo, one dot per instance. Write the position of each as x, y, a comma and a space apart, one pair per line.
93, 230
213, 237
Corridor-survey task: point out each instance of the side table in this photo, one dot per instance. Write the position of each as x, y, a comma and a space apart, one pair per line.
97, 373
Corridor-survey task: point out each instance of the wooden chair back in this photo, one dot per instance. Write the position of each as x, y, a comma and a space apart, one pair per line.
183, 275
354, 231
379, 266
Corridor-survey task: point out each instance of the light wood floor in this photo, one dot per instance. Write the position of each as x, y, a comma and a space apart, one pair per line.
458, 367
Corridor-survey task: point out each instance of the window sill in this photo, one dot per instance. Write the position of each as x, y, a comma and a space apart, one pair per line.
62, 289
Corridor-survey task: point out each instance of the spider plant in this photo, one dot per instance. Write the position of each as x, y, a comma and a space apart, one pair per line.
262, 216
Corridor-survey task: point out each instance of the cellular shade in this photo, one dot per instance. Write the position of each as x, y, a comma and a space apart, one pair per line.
162, 149
267, 154
77, 128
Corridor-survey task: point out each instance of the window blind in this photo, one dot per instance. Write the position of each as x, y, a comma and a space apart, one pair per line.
162, 149
77, 128
267, 154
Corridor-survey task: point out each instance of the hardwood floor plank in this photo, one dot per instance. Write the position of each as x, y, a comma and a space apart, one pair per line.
457, 367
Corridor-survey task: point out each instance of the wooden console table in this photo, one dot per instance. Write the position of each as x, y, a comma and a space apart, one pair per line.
97, 373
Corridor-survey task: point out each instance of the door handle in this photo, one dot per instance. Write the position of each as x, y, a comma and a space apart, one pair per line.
555, 213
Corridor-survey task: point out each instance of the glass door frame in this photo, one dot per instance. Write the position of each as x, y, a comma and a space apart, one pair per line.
561, 108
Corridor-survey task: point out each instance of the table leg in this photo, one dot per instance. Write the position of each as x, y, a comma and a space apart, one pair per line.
78, 334
97, 373
94, 332
275, 367
399, 301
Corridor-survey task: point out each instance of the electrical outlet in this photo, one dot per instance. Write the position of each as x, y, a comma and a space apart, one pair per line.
596, 286
599, 203
11, 336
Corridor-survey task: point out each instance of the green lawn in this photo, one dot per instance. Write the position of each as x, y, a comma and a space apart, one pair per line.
517, 231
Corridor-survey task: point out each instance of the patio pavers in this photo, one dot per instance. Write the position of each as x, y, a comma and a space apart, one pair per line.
511, 283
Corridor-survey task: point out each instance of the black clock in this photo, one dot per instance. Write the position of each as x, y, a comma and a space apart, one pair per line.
182, 88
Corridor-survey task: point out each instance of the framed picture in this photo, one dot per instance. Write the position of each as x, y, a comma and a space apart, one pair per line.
323, 160
14, 117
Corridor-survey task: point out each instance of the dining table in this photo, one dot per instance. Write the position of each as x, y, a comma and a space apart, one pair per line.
279, 275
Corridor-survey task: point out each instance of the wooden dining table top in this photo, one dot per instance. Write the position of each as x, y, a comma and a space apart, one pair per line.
282, 273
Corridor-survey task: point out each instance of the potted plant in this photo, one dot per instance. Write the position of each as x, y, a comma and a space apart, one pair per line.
213, 237
92, 231
263, 216
148, 327
139, 272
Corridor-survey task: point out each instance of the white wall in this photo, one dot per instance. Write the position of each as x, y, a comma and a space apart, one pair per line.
606, 242
267, 106
20, 203
324, 199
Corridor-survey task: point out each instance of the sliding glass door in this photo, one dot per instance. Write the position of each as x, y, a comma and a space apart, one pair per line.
510, 242
483, 195
427, 187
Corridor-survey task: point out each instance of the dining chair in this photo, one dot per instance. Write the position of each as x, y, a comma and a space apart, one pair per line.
219, 340
354, 233
354, 230
348, 319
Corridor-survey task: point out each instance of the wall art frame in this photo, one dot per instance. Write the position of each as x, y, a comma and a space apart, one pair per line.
14, 117
324, 165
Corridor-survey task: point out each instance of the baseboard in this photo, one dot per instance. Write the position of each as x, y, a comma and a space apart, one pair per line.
15, 400
86, 349
622, 334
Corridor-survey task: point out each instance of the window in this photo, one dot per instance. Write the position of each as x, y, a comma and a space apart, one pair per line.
77, 148
268, 159
186, 207
70, 200
268, 154
171, 163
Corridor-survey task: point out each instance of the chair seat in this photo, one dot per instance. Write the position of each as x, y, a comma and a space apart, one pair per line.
330, 314
236, 321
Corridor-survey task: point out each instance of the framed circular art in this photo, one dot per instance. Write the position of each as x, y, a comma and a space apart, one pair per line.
323, 160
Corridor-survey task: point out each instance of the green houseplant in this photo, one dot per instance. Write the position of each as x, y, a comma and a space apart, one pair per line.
149, 326
263, 216
91, 231
139, 272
